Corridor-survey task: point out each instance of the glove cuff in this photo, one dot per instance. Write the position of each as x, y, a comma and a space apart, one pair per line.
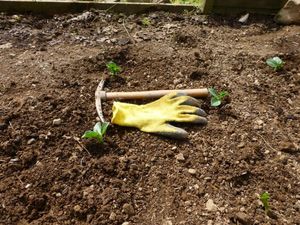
124, 114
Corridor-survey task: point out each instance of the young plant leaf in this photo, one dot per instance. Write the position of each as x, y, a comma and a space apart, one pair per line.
215, 102
213, 92
97, 128
104, 128
216, 98
98, 132
146, 21
264, 198
277, 60
90, 134
113, 68
223, 94
276, 63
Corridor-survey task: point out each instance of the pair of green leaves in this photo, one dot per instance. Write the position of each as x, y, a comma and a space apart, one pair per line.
146, 22
113, 68
276, 63
98, 132
216, 98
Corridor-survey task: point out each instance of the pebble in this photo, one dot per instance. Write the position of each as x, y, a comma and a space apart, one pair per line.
259, 122
180, 157
211, 206
30, 141
297, 204
123, 41
112, 216
5, 46
192, 171
167, 222
125, 223
241, 145
56, 122
288, 147
272, 214
177, 81
89, 218
128, 209
243, 218
209, 222
77, 208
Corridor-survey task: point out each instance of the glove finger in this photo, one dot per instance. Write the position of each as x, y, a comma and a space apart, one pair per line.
173, 132
170, 95
191, 109
167, 130
186, 100
189, 118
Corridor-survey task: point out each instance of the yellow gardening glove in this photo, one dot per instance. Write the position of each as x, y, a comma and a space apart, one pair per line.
153, 117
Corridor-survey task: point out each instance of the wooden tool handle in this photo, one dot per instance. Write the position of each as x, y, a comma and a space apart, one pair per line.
202, 92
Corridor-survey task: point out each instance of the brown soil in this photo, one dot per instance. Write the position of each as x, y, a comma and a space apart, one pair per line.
48, 175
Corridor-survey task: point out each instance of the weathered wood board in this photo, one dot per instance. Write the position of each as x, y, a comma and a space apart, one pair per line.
241, 6
57, 7
70, 6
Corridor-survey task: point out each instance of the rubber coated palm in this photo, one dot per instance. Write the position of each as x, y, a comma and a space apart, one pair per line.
153, 117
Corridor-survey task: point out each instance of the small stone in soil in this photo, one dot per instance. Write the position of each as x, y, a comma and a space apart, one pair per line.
30, 141
211, 206
77, 208
297, 205
243, 218
112, 216
210, 222
167, 222
192, 171
290, 148
56, 122
241, 145
272, 214
180, 157
128, 209
123, 41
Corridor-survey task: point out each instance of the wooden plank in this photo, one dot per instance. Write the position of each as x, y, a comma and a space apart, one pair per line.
231, 11
208, 6
58, 7
251, 4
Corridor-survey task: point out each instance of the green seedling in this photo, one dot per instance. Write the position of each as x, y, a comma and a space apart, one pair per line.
113, 68
146, 22
216, 98
276, 63
264, 198
98, 132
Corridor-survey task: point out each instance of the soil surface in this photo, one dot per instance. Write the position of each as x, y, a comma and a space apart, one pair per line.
49, 70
